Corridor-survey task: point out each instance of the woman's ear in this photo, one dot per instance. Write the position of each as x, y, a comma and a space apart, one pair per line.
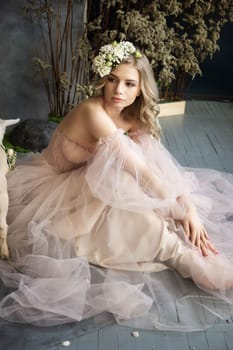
139, 93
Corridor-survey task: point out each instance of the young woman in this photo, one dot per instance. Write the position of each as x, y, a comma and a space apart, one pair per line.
105, 220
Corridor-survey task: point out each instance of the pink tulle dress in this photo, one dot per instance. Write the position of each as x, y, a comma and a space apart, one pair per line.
87, 235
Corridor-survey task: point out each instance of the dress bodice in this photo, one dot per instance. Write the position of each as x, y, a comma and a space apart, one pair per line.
65, 154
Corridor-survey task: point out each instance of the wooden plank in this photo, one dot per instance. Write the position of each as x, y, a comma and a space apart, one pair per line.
125, 340
178, 341
198, 341
172, 135
88, 341
195, 144
161, 341
151, 340
216, 340
74, 344
108, 338
148, 340
70, 344
229, 339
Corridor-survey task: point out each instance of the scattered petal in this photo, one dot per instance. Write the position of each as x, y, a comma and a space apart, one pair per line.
66, 343
135, 334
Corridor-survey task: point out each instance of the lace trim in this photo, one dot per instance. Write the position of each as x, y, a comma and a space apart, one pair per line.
138, 132
109, 138
88, 148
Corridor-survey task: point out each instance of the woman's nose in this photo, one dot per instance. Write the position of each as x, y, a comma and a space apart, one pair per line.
119, 88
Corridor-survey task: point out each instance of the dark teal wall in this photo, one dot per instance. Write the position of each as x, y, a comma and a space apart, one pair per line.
217, 79
21, 92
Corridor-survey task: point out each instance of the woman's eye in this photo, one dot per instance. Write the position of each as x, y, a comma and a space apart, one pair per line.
112, 80
130, 84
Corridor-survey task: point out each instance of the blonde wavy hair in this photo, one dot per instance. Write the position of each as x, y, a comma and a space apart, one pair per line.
145, 107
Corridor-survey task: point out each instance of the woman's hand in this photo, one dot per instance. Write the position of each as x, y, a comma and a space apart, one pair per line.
196, 232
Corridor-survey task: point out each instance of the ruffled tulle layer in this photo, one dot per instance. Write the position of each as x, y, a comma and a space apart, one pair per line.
97, 238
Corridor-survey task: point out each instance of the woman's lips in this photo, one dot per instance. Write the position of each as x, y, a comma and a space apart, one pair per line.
117, 99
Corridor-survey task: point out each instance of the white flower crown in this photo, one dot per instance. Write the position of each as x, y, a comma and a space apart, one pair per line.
113, 54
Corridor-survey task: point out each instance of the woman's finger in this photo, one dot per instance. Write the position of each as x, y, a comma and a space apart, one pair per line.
193, 234
193, 238
208, 245
205, 233
203, 249
198, 240
212, 248
186, 227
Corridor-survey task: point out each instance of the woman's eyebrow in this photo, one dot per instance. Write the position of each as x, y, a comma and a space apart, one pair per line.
132, 80
115, 76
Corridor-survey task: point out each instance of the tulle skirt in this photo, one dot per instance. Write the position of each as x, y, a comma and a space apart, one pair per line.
92, 239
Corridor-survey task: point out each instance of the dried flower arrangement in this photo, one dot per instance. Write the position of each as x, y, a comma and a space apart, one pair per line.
177, 36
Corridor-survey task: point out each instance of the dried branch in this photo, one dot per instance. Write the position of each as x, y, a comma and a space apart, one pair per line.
58, 54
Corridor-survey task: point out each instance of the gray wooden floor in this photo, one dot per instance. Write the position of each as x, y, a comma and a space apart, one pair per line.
203, 137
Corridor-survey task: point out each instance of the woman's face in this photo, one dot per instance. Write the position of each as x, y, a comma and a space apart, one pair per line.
122, 86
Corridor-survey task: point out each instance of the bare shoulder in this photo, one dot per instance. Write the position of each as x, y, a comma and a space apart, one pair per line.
85, 110
92, 108
88, 110
76, 121
89, 120
89, 104
95, 118
84, 106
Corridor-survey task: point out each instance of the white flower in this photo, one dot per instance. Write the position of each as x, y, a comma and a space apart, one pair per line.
11, 156
119, 52
135, 334
113, 54
103, 71
10, 152
66, 343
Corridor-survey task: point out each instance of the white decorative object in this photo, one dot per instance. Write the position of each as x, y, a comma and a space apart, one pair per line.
168, 109
66, 343
113, 54
135, 334
4, 168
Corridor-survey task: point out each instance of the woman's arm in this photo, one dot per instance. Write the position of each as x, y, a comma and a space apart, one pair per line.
100, 125
193, 227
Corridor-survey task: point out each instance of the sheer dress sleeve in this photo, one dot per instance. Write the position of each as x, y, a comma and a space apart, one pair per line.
116, 174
